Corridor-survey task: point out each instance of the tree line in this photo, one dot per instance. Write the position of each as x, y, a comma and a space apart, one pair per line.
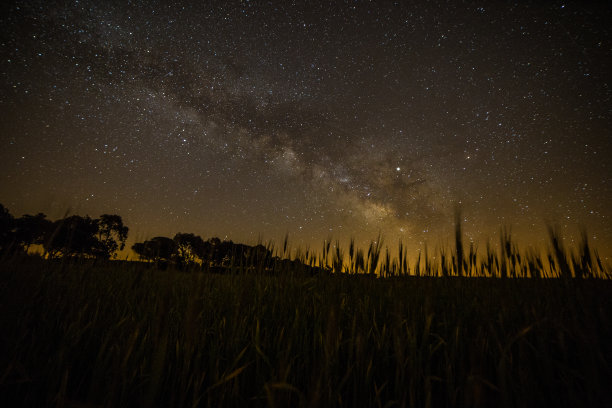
191, 249
71, 236
84, 237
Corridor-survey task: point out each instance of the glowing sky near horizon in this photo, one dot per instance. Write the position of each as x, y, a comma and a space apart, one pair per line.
247, 119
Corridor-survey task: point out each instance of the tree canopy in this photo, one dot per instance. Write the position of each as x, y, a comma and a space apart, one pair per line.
188, 248
72, 236
103, 237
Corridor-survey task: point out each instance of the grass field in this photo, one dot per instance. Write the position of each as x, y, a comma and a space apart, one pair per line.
81, 334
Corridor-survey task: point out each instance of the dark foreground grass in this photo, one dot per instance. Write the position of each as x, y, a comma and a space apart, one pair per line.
79, 335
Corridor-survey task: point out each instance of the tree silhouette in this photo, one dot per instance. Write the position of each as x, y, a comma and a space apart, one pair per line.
70, 236
73, 236
84, 236
227, 253
189, 247
31, 230
156, 249
209, 251
186, 248
141, 250
111, 234
7, 223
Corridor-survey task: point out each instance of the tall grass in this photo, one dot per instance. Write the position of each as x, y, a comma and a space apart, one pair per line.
78, 334
304, 329
508, 262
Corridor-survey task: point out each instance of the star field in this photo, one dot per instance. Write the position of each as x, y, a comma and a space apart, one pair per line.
248, 119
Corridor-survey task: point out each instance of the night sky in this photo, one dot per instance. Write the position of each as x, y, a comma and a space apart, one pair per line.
250, 120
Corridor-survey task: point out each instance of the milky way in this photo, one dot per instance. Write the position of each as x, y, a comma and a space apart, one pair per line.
250, 119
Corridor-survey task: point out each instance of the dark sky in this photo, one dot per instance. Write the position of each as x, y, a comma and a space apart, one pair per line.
252, 119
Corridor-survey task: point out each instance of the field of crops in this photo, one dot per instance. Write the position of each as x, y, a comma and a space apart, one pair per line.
80, 334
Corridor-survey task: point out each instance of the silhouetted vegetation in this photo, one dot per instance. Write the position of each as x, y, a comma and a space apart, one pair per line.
296, 328
72, 236
7, 225
156, 249
187, 249
83, 237
127, 334
31, 230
